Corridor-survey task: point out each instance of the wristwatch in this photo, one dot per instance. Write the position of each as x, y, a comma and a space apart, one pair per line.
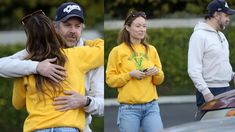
88, 101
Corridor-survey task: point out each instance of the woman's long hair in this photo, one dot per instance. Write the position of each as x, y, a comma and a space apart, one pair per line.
42, 43
124, 35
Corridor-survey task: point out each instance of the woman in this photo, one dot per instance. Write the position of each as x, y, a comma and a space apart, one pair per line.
134, 68
37, 92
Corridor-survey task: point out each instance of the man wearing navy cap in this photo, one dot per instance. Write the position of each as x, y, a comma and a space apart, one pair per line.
208, 54
69, 22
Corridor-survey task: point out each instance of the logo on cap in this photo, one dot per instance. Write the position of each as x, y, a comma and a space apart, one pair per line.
69, 8
220, 6
226, 5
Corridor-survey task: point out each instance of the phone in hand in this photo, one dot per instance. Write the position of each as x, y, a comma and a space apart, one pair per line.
145, 70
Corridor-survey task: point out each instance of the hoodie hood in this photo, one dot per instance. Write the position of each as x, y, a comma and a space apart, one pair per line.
204, 26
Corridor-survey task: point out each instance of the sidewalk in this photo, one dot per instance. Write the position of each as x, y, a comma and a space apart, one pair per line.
156, 23
12, 37
161, 100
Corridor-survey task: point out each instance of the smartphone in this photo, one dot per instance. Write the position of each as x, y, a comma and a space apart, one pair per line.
145, 70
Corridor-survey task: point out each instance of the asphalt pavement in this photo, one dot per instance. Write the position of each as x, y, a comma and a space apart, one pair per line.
172, 114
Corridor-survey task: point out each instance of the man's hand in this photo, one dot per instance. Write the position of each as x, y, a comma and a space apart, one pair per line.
152, 71
72, 101
137, 74
208, 97
47, 69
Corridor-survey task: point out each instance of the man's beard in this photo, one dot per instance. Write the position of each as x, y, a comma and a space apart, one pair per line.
222, 27
69, 42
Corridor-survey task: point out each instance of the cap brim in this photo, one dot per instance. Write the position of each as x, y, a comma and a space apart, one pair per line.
230, 12
72, 15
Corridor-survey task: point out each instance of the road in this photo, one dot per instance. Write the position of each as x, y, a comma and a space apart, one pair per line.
172, 114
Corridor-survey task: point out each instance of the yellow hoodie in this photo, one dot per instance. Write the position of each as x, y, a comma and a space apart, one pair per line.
121, 61
42, 114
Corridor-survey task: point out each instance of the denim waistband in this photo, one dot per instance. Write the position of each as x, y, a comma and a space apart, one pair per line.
59, 129
139, 103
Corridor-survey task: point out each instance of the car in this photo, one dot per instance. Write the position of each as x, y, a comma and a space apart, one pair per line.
223, 105
214, 116
225, 124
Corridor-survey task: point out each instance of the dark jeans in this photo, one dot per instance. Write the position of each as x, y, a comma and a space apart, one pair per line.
215, 91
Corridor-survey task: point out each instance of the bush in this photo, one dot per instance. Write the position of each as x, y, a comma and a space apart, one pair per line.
11, 11
12, 120
117, 9
172, 46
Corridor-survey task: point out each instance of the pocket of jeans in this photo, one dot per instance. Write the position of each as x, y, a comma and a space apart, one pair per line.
124, 106
121, 110
125, 111
155, 106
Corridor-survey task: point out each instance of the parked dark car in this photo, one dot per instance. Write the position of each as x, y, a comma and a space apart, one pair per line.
217, 115
225, 124
222, 106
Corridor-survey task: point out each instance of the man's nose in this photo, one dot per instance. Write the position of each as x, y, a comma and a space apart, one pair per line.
73, 29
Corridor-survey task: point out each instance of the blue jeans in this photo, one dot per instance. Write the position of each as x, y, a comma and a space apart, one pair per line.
59, 129
132, 117
215, 91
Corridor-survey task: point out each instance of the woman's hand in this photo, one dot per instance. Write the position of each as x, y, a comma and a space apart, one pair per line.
151, 71
137, 74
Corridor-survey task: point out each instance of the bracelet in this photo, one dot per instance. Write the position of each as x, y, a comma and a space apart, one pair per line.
88, 101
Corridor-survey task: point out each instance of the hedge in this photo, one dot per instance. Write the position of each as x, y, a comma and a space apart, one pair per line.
117, 9
11, 120
172, 46
11, 11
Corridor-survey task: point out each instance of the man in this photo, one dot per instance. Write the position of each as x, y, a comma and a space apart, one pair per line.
69, 22
208, 53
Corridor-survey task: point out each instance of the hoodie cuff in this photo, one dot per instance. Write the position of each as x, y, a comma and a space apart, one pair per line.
127, 77
32, 68
205, 91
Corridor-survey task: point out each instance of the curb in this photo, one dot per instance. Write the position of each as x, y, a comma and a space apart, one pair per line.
156, 23
161, 100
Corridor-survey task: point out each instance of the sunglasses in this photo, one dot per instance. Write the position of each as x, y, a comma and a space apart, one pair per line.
25, 18
136, 14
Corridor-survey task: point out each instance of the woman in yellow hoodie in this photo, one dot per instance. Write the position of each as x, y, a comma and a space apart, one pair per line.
134, 69
37, 93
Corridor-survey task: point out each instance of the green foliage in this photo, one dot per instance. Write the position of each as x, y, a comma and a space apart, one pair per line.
158, 8
97, 124
11, 11
12, 120
110, 42
6, 50
172, 46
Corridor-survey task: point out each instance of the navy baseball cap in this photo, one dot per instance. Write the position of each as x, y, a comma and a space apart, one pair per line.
219, 6
68, 10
